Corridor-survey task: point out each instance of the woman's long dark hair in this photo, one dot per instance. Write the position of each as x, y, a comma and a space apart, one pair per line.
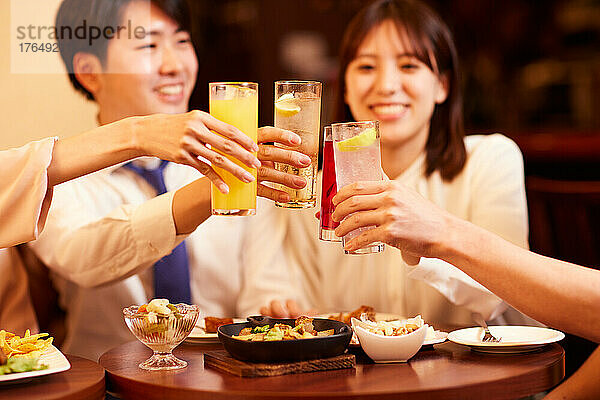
430, 40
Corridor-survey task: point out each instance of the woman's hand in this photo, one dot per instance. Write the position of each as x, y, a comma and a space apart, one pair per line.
185, 139
402, 218
268, 154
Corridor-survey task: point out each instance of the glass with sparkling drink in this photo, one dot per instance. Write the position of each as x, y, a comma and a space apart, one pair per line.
298, 109
357, 158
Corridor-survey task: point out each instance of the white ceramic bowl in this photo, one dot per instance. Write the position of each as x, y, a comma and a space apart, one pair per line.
386, 349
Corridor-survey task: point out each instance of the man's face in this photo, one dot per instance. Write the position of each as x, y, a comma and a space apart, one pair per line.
154, 74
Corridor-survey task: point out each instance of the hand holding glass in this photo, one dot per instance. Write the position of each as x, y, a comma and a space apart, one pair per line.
357, 158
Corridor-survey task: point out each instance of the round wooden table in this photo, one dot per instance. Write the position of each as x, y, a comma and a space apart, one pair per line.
446, 371
85, 380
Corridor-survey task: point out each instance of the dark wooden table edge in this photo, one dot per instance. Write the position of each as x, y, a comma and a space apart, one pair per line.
553, 376
96, 391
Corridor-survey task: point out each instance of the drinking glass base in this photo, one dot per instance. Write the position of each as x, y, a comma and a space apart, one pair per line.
374, 248
234, 213
328, 235
163, 361
297, 204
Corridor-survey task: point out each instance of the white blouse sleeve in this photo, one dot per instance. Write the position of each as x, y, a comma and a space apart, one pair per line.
25, 196
458, 287
498, 204
498, 189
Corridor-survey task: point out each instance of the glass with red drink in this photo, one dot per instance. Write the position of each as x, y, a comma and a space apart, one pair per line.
328, 190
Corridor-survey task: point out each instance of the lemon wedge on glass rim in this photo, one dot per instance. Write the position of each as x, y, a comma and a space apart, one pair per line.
364, 139
286, 106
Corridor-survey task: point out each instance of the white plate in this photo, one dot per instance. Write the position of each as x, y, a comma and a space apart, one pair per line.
515, 339
199, 335
437, 338
53, 358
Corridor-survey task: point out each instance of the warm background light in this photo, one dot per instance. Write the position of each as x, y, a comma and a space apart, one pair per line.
37, 105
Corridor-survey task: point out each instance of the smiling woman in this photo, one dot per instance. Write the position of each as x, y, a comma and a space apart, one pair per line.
399, 66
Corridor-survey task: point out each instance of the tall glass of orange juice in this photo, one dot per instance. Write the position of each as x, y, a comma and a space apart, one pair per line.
235, 103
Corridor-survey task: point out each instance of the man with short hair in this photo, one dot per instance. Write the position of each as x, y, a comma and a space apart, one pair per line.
106, 232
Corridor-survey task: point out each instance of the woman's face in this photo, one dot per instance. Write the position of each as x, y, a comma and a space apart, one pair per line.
386, 82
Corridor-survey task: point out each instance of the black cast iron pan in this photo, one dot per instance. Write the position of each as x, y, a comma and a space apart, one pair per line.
285, 350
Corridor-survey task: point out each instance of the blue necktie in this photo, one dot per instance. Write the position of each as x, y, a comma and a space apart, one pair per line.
171, 273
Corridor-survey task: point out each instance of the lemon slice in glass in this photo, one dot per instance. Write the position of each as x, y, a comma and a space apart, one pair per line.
286, 106
364, 139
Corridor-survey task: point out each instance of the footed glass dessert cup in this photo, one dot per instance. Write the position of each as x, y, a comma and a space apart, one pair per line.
162, 333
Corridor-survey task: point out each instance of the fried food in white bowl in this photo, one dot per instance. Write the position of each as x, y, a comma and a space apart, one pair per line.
385, 342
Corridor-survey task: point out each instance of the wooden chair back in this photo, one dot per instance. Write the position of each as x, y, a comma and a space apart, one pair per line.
564, 219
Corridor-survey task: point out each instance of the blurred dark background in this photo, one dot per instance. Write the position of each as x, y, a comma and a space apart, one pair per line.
529, 66
531, 70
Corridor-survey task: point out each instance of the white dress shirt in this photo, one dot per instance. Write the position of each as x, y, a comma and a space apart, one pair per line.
108, 226
489, 192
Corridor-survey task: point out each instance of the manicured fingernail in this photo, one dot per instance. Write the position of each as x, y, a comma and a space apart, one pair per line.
256, 163
304, 160
224, 188
247, 177
295, 139
283, 198
300, 182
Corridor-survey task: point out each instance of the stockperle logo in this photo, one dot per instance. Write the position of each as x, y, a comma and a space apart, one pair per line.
35, 37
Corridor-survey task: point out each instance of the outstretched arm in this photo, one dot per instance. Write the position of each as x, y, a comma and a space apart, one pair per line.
557, 293
181, 138
583, 384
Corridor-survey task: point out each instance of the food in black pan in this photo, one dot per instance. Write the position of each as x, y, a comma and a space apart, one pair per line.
303, 329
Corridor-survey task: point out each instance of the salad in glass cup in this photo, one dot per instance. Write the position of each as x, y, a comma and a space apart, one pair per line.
161, 326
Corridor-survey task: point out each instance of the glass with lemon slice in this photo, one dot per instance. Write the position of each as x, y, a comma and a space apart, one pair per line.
235, 103
357, 158
298, 109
